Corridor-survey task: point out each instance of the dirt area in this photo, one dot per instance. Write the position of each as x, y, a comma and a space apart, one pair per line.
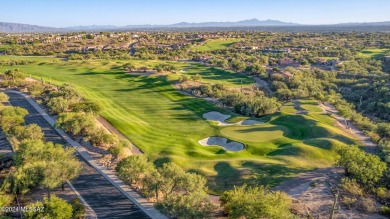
314, 195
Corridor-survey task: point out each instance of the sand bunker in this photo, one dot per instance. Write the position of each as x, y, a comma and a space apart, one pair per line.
220, 119
220, 141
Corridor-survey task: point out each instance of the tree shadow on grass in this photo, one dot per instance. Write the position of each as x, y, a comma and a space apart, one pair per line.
161, 161
251, 173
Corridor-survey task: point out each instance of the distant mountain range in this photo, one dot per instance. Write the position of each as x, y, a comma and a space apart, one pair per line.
26, 28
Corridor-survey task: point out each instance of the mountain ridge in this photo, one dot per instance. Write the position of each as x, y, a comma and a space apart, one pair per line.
9, 27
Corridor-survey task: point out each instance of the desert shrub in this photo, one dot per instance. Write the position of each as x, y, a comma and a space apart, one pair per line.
86, 107
256, 202
36, 89
11, 117
382, 193
3, 97
348, 201
351, 187
76, 123
385, 210
78, 209
184, 78
365, 168
367, 205
118, 150
101, 138
5, 200
53, 208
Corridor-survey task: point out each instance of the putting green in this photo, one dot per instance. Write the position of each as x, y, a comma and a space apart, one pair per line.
262, 133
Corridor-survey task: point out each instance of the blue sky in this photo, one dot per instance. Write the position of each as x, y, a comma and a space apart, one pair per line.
62, 13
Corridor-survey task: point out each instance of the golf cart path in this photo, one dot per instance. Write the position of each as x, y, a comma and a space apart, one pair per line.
368, 145
300, 184
262, 84
146, 206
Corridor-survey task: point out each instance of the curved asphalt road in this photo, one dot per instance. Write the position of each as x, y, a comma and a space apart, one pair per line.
97, 191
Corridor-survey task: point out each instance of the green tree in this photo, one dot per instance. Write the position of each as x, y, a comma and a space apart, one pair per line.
365, 168
192, 205
78, 209
237, 65
257, 69
63, 98
14, 77
77, 123
133, 168
3, 97
184, 193
52, 163
58, 104
86, 107
99, 137
11, 117
383, 130
174, 178
256, 202
55, 208
36, 89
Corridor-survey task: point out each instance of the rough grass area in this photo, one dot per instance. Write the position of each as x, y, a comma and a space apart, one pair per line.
217, 76
216, 44
167, 125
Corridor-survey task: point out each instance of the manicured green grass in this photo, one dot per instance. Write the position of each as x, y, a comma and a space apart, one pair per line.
4, 47
373, 53
167, 125
310, 105
215, 45
217, 76
288, 108
311, 108
258, 133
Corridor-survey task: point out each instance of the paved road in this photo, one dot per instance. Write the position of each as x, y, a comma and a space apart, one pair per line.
132, 49
97, 191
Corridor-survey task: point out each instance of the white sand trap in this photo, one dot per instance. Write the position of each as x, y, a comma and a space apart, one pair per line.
220, 119
231, 146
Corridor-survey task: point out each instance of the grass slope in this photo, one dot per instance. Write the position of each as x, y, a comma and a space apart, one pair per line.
216, 44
